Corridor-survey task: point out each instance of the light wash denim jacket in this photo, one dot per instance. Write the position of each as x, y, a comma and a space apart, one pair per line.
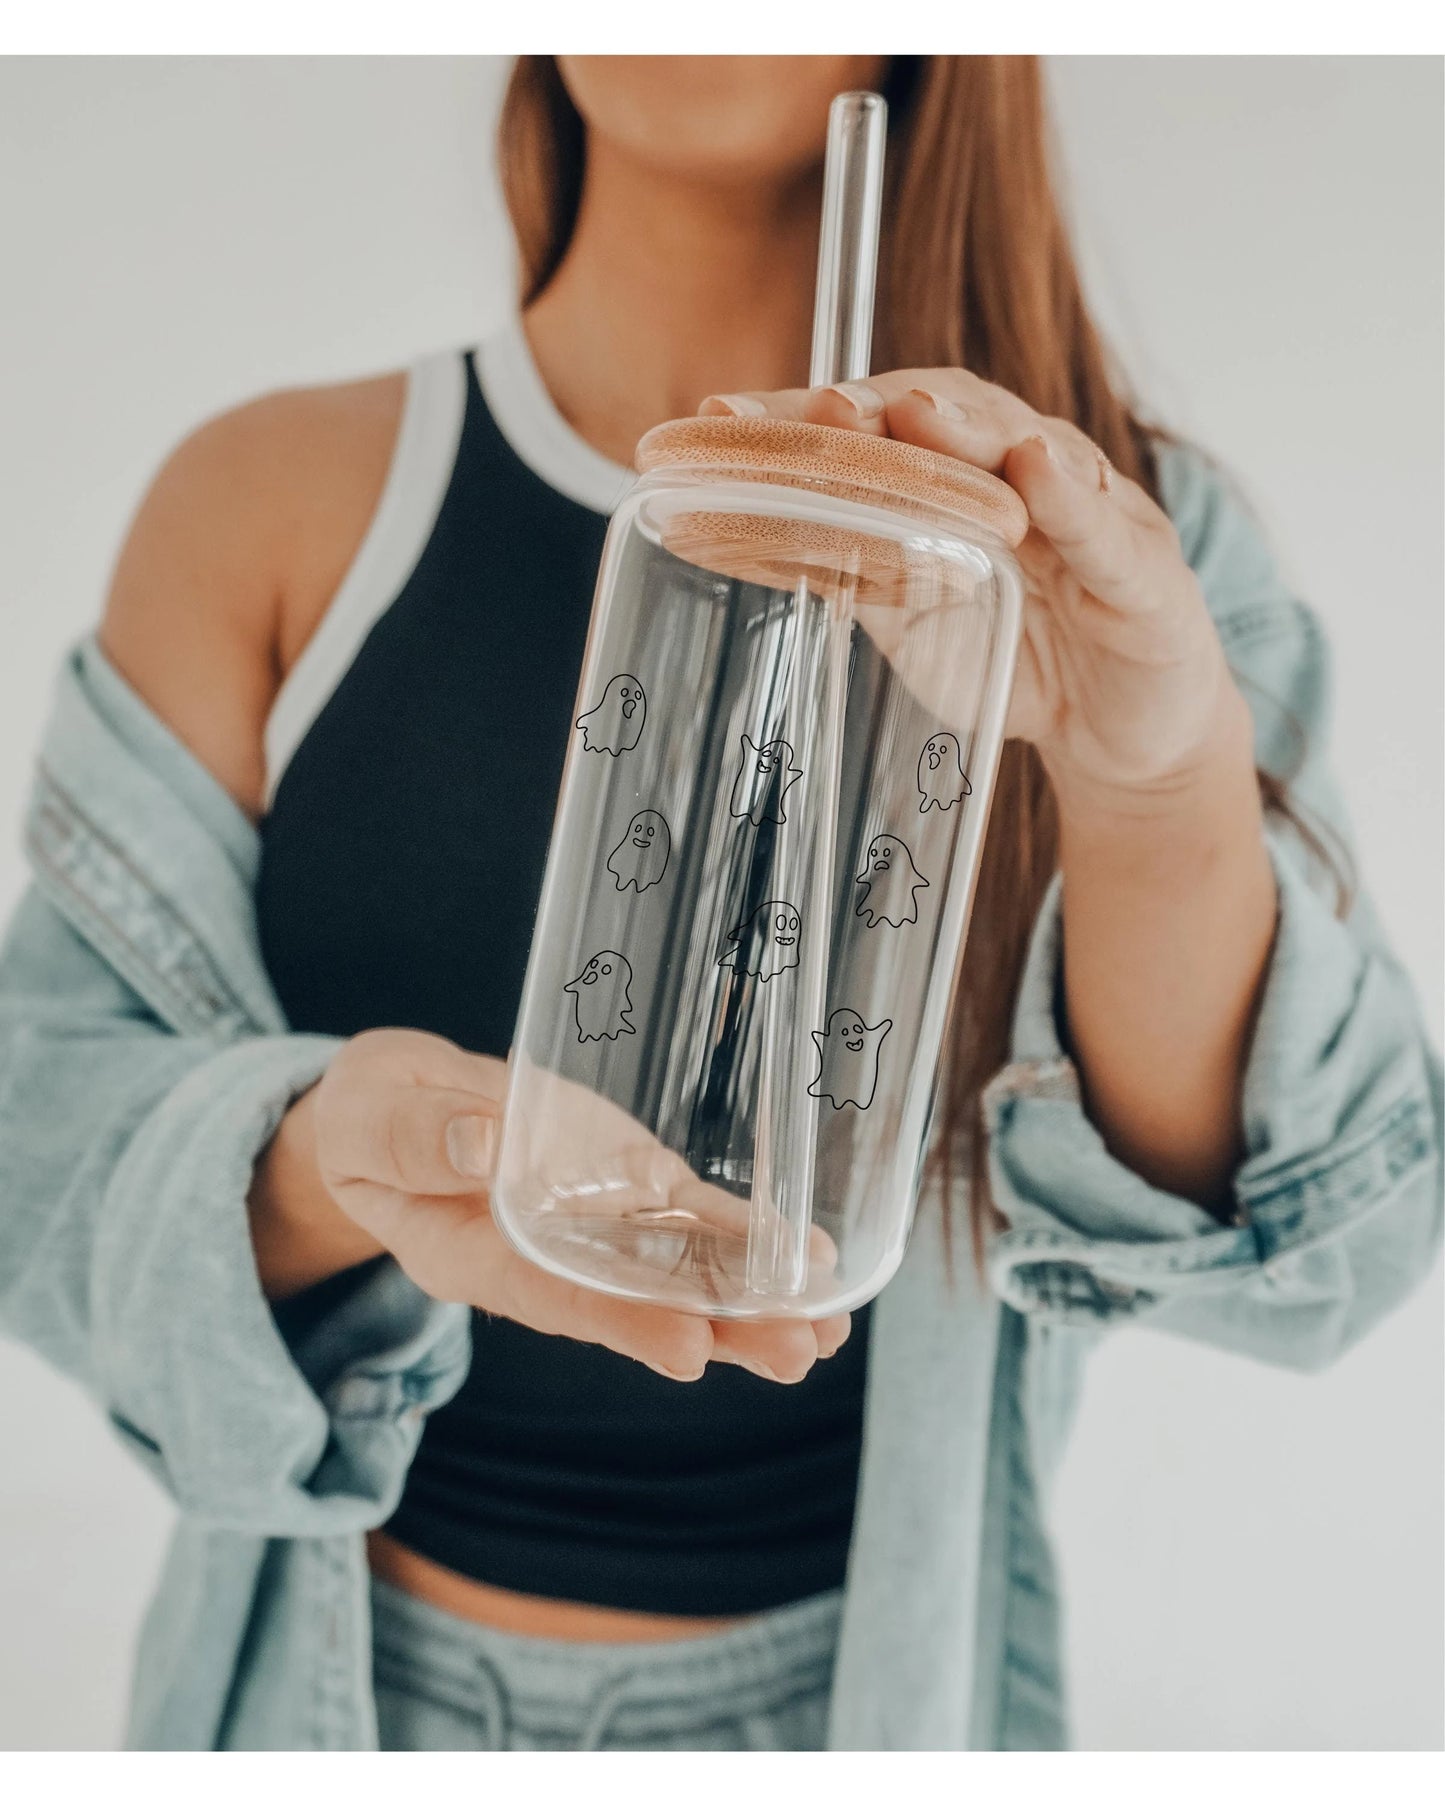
144, 1061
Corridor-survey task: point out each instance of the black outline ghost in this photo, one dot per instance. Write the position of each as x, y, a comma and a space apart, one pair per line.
611, 1021
754, 938
936, 777
641, 843
623, 717
890, 890
851, 1075
766, 775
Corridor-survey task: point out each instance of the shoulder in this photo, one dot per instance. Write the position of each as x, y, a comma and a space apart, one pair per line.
1273, 640
240, 542
261, 501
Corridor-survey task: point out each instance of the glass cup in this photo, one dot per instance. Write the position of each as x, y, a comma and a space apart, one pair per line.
787, 732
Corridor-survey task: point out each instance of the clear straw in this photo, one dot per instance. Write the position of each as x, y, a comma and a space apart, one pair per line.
787, 1117
848, 242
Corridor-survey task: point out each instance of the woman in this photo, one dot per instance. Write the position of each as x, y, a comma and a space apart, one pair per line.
288, 834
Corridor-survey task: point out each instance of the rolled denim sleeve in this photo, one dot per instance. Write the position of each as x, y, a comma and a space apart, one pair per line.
126, 1153
1337, 1199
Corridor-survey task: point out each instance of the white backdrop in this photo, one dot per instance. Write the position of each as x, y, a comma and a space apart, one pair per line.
1253, 1559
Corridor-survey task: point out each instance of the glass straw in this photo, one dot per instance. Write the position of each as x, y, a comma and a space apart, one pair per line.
848, 241
787, 1116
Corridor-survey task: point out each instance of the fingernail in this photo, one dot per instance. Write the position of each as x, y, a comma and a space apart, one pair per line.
863, 398
942, 404
757, 1368
735, 404
1049, 452
673, 1373
471, 1145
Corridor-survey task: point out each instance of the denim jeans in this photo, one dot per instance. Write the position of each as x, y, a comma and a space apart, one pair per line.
443, 1683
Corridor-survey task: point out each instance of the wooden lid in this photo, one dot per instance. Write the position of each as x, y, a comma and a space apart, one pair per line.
834, 459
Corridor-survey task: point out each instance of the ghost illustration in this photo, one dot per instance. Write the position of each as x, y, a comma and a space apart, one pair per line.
889, 879
600, 992
615, 725
640, 858
848, 1056
764, 778
940, 774
767, 942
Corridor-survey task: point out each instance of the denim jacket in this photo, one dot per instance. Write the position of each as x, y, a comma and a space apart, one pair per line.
144, 1061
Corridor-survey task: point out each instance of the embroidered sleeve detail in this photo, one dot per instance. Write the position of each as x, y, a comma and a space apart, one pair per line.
1042, 1081
95, 885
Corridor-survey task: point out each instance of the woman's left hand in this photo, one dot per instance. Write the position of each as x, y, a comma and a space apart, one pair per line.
1122, 683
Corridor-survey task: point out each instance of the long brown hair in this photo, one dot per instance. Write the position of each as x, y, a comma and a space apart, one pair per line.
976, 270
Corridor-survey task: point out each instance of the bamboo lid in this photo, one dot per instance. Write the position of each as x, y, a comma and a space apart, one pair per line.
829, 456
780, 550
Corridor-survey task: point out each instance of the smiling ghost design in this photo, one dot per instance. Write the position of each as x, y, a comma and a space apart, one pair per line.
940, 774
848, 1059
600, 991
640, 858
890, 880
764, 779
767, 942
615, 725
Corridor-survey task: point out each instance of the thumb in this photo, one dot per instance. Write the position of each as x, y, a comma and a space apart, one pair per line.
410, 1112
419, 1139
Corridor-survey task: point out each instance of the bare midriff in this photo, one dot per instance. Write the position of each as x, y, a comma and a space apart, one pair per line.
523, 1614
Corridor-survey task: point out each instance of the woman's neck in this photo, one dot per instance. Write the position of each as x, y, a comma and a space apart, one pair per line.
672, 290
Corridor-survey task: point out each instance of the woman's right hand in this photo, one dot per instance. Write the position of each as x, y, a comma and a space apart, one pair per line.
392, 1152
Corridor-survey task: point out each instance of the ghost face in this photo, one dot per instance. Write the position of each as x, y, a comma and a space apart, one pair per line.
940, 774
764, 778
848, 1060
600, 992
640, 858
615, 725
767, 942
890, 882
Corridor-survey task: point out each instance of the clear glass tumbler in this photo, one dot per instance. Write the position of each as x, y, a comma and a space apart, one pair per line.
787, 733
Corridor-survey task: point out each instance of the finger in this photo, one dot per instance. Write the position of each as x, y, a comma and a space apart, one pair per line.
779, 1349
783, 1349
961, 387
672, 1343
958, 413
867, 406
448, 1245
832, 1333
415, 1138
454, 1251
928, 407
1100, 544
859, 406
779, 404
985, 428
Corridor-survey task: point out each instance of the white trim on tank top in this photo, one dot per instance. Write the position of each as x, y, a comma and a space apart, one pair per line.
529, 421
416, 484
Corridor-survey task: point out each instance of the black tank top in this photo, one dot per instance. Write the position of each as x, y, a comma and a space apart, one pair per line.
402, 858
